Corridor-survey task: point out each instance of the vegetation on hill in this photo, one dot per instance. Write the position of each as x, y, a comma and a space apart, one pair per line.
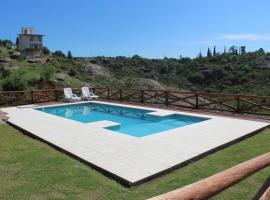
247, 73
227, 72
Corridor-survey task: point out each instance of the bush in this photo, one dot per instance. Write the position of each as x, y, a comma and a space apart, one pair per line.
4, 72
59, 54
245, 68
46, 51
6, 43
72, 72
196, 77
13, 83
46, 73
163, 69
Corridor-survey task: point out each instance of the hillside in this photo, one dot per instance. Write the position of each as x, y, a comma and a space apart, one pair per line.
248, 73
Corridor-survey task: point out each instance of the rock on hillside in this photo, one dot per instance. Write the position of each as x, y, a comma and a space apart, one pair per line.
5, 59
143, 83
151, 84
97, 70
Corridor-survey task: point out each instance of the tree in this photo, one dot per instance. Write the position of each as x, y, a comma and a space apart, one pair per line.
233, 50
69, 55
260, 51
136, 56
6, 43
17, 42
214, 51
46, 50
59, 53
209, 53
200, 55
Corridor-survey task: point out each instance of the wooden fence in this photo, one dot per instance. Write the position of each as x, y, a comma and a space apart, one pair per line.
193, 100
209, 187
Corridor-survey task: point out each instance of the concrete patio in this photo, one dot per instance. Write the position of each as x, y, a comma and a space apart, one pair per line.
128, 159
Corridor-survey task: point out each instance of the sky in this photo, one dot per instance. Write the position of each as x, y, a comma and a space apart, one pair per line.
149, 28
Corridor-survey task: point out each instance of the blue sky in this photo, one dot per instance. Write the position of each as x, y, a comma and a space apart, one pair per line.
150, 28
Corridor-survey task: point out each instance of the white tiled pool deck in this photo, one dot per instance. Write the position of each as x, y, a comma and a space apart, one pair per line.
132, 159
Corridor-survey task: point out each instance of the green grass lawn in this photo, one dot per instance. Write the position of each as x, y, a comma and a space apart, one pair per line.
30, 169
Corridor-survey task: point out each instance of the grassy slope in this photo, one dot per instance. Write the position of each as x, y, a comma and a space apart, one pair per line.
32, 170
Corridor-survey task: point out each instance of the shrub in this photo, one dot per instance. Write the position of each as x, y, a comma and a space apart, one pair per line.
13, 83
4, 72
245, 68
59, 54
46, 51
196, 77
163, 70
46, 73
72, 72
10, 52
6, 43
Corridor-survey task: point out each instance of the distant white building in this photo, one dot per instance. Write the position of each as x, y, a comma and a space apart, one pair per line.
30, 44
242, 50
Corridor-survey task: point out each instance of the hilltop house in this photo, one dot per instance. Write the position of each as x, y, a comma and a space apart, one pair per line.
30, 44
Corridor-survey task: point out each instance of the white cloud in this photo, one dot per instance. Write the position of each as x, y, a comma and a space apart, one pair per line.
245, 37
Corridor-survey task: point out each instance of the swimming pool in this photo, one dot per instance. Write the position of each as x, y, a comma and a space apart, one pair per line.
132, 121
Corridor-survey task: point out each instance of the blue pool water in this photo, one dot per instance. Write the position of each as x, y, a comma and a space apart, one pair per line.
134, 122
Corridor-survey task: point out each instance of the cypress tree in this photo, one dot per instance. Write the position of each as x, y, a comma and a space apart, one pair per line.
17, 42
69, 55
225, 51
200, 54
214, 51
209, 53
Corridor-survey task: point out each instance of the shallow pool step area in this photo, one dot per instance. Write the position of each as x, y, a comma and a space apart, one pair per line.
132, 160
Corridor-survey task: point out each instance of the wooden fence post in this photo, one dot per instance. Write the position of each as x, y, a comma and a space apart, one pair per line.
238, 109
32, 96
264, 191
197, 100
56, 95
120, 95
8, 99
142, 96
108, 93
167, 98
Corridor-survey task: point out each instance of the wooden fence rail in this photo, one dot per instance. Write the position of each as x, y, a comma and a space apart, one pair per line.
194, 100
213, 185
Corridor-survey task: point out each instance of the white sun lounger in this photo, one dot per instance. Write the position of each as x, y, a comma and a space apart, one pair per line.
88, 94
68, 95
